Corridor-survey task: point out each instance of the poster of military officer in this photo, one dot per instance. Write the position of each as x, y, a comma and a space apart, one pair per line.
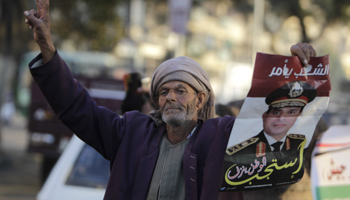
276, 123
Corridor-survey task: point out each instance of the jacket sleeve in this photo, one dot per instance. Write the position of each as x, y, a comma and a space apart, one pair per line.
97, 126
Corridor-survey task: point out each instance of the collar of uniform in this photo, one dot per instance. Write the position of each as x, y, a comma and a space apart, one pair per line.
272, 140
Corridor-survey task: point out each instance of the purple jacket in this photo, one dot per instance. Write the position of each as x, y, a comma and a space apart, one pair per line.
131, 143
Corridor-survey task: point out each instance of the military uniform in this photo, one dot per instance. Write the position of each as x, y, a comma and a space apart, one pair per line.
252, 164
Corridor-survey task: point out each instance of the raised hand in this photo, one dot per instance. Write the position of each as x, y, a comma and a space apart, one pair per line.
39, 21
304, 51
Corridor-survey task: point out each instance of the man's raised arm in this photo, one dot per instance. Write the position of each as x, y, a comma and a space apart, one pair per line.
39, 21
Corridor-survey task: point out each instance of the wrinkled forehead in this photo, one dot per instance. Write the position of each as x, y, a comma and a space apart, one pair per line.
176, 84
180, 76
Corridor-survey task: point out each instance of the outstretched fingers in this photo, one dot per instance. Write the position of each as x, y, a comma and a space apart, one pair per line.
43, 7
39, 7
39, 17
46, 9
39, 21
47, 5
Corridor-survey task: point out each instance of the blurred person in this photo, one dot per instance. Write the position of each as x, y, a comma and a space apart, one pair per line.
134, 98
222, 110
137, 95
7, 110
174, 153
149, 105
236, 103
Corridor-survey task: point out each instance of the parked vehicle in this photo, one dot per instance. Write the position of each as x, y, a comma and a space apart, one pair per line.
81, 173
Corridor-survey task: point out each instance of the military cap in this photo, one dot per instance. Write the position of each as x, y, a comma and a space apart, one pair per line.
292, 94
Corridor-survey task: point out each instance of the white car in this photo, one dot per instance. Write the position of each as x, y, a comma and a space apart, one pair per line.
81, 173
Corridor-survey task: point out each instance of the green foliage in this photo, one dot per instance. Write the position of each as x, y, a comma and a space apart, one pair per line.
87, 21
324, 12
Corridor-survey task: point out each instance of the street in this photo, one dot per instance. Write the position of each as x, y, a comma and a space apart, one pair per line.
19, 170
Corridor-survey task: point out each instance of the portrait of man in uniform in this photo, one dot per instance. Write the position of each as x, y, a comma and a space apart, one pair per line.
273, 154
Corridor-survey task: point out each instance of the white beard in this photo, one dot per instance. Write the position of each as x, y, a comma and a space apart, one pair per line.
181, 119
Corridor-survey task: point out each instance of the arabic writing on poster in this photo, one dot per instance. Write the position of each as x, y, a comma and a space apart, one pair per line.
319, 70
261, 171
276, 122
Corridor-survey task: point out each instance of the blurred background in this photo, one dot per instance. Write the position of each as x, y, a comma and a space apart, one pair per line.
105, 41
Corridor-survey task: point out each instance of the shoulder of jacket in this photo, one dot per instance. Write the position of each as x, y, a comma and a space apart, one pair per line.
132, 117
242, 145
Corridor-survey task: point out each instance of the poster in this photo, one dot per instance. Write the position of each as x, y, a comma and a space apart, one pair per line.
330, 165
276, 122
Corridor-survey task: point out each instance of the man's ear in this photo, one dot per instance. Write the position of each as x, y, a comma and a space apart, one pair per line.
201, 96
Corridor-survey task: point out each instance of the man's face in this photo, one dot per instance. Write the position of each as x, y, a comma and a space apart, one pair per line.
279, 120
177, 101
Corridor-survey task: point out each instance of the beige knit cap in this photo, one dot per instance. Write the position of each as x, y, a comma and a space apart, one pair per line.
189, 71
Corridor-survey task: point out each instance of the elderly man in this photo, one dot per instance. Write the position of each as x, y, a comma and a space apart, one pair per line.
175, 153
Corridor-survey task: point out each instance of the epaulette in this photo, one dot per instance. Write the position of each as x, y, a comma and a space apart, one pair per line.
296, 136
241, 146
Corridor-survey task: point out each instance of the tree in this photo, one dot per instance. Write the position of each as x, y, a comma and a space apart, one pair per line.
92, 24
324, 12
95, 23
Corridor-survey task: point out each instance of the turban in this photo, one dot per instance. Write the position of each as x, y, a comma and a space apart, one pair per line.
188, 71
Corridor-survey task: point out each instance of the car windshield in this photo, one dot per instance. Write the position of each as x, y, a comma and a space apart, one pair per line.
89, 170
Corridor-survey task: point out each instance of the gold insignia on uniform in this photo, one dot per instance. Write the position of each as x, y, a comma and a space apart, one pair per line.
297, 136
287, 144
260, 149
240, 146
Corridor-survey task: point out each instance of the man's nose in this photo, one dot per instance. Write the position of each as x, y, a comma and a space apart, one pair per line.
282, 116
171, 96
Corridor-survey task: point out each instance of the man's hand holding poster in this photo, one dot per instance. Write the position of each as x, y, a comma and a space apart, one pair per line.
276, 123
